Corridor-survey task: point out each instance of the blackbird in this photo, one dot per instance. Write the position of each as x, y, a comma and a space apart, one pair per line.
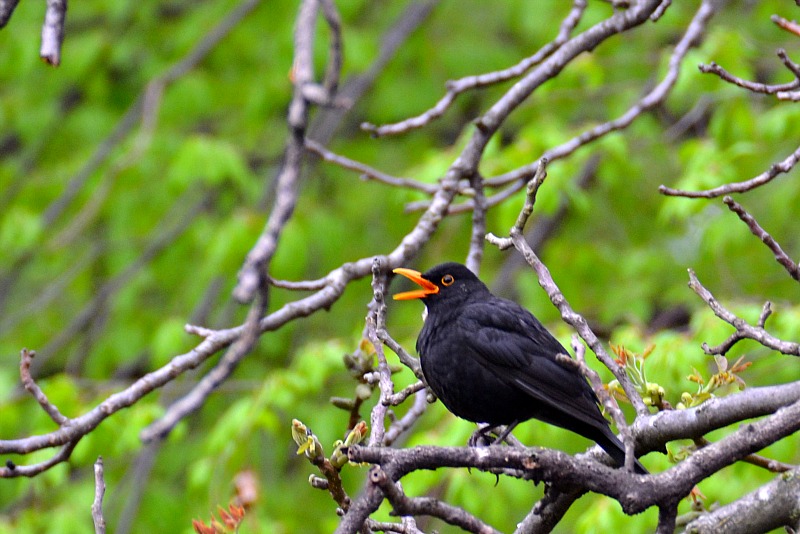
489, 360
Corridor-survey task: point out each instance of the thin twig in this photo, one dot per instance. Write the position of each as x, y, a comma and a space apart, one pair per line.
477, 241
577, 321
754, 459
788, 25
366, 171
404, 505
99, 493
609, 402
53, 32
334, 69
780, 256
739, 187
190, 402
303, 285
256, 265
6, 10
743, 329
456, 87
519, 177
33, 388
400, 397
411, 416
376, 321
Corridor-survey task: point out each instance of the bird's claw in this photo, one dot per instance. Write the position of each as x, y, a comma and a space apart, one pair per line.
481, 438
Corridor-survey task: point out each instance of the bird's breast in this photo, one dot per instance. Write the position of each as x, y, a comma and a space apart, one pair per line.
464, 385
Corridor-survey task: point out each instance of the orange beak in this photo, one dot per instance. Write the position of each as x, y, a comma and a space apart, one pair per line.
428, 287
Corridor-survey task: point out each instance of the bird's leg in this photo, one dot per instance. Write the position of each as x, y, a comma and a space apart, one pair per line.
504, 434
479, 438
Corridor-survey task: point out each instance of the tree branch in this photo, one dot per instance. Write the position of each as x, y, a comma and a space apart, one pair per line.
739, 187
743, 329
780, 256
99, 492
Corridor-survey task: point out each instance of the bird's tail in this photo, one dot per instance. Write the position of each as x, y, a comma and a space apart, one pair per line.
614, 447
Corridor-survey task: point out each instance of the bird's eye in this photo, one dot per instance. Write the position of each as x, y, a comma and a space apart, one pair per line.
448, 280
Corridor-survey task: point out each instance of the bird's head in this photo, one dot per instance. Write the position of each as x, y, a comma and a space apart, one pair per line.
446, 283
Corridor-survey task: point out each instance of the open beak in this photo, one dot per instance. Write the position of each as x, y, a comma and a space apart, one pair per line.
428, 287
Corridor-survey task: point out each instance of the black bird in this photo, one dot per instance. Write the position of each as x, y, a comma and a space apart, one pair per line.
489, 360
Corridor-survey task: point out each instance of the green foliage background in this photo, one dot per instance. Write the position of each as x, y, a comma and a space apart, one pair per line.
620, 256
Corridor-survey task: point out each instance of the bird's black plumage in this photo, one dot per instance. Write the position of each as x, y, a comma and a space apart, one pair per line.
489, 360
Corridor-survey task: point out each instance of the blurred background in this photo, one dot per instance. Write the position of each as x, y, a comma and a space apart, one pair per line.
119, 226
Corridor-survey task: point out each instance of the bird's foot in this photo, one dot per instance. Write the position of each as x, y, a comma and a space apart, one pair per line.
480, 437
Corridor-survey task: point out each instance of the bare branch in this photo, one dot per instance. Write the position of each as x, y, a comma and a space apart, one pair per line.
756, 87
773, 505
303, 285
667, 514
12, 470
328, 119
739, 187
366, 171
53, 32
412, 415
402, 395
635, 493
99, 492
6, 10
608, 402
743, 329
789, 26
196, 397
754, 459
519, 177
476, 240
654, 431
33, 388
548, 512
334, 69
376, 321
456, 87
780, 256
517, 240
404, 505
256, 265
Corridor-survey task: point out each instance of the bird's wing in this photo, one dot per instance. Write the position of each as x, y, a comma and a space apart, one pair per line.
510, 342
